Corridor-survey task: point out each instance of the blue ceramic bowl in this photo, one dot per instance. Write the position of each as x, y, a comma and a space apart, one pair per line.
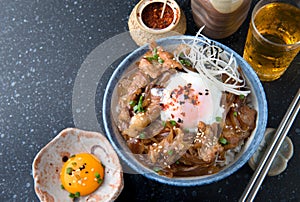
117, 141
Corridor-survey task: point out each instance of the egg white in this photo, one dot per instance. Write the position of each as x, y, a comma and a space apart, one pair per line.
186, 112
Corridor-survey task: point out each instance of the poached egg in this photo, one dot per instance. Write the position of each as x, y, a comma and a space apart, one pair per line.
188, 98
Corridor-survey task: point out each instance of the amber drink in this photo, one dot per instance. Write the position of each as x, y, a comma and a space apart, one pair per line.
273, 38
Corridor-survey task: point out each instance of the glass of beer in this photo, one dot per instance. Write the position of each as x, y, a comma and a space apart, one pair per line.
273, 38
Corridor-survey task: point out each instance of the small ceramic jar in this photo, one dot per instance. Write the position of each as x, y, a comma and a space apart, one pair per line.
220, 17
146, 25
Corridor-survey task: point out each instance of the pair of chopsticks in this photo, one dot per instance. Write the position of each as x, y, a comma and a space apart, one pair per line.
269, 155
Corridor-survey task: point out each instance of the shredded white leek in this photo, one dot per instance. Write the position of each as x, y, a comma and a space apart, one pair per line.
213, 62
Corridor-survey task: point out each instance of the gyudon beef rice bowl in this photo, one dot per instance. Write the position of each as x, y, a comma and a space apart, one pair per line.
184, 111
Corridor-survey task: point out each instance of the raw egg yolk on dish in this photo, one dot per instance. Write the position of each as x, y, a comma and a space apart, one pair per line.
82, 174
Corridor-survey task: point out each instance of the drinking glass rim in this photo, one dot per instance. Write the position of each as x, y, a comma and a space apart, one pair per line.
254, 12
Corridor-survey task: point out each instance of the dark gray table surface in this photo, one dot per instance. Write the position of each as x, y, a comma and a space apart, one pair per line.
43, 44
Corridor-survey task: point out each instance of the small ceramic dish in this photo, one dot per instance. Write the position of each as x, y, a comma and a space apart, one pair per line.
48, 163
109, 104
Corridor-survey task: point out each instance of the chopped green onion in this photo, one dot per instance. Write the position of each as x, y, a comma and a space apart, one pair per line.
181, 55
77, 194
163, 123
62, 186
154, 51
69, 170
170, 152
142, 136
154, 56
149, 58
173, 123
242, 96
139, 107
218, 119
235, 114
132, 103
72, 156
160, 61
99, 181
156, 169
74, 163
223, 141
177, 162
185, 62
136, 109
97, 175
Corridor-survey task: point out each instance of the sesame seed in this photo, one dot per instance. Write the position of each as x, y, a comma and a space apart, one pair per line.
85, 178
160, 147
83, 184
92, 169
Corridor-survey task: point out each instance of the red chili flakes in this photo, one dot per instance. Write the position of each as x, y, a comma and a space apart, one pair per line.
151, 16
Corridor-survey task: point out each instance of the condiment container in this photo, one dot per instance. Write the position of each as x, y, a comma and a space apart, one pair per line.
220, 17
145, 24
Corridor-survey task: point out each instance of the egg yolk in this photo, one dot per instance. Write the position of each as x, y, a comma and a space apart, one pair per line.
82, 174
